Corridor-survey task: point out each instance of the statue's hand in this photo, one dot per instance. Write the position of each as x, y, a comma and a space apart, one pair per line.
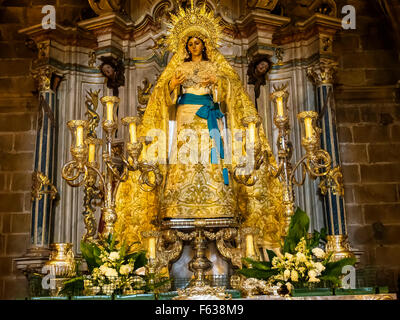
209, 80
176, 80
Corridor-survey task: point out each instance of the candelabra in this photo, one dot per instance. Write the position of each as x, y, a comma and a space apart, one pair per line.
316, 162
86, 169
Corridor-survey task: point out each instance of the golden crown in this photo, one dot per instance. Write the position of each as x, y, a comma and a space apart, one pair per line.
193, 22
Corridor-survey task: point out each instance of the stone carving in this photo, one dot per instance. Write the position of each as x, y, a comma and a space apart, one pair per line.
102, 7
262, 4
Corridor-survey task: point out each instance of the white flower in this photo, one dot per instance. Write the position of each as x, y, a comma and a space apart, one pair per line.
141, 271
125, 269
301, 257
103, 269
288, 256
313, 276
114, 256
319, 266
286, 275
294, 276
110, 273
275, 261
319, 253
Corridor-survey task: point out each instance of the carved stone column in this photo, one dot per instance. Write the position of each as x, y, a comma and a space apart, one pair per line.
322, 75
43, 190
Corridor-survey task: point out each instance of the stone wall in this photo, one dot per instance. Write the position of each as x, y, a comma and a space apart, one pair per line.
18, 113
368, 117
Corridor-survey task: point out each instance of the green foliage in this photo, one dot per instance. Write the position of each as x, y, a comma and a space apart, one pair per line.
257, 273
333, 270
271, 255
73, 287
258, 270
298, 229
140, 259
91, 253
316, 239
297, 233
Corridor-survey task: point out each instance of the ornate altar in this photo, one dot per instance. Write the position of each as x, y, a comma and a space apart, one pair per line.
288, 111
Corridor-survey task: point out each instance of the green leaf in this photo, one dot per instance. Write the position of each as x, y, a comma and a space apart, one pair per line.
258, 274
323, 234
112, 244
73, 287
87, 250
298, 229
140, 260
122, 250
271, 255
260, 265
333, 270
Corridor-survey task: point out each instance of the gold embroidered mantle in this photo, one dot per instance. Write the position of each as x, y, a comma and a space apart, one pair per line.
199, 187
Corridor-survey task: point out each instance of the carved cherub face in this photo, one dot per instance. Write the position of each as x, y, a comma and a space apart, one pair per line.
262, 68
108, 71
195, 46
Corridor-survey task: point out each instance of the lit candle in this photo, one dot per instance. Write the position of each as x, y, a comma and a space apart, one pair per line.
132, 132
279, 106
110, 109
79, 136
252, 129
152, 248
249, 246
92, 152
308, 127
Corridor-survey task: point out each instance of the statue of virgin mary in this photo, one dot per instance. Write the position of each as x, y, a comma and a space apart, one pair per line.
194, 113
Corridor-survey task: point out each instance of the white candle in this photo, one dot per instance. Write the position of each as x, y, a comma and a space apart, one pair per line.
308, 127
252, 129
249, 246
132, 132
110, 109
92, 152
152, 248
79, 136
279, 106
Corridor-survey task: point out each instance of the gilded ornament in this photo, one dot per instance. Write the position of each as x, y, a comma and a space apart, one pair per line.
262, 4
40, 182
102, 7
339, 246
323, 72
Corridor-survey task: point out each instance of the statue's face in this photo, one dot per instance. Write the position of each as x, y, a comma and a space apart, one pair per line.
262, 68
195, 46
108, 71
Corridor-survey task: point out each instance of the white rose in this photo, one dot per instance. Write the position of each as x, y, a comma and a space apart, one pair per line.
319, 253
114, 256
286, 274
313, 276
141, 271
110, 273
319, 266
125, 269
301, 257
294, 276
103, 269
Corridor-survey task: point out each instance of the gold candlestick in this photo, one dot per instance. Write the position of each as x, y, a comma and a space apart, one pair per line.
86, 164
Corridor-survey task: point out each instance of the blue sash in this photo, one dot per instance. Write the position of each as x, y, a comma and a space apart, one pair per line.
211, 112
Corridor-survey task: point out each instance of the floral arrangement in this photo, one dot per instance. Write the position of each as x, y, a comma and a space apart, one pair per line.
302, 261
113, 269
